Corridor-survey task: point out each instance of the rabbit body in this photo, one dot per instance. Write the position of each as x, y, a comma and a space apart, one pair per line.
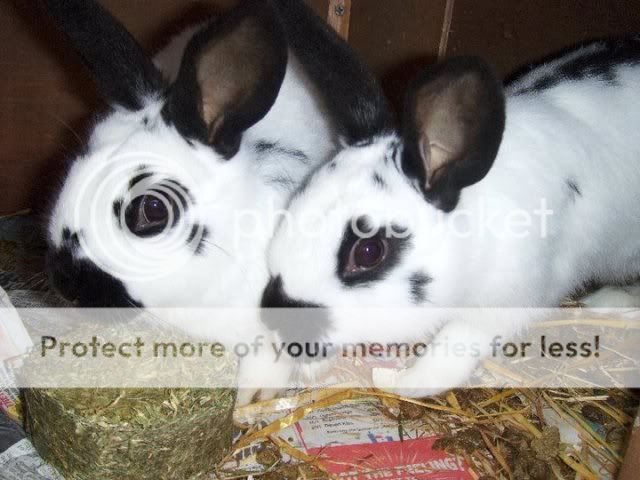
503, 198
574, 146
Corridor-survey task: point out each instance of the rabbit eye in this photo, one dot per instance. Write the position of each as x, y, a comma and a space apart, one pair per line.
366, 254
155, 205
154, 210
147, 215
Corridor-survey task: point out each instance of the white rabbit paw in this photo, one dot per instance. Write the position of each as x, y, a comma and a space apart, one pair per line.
613, 297
401, 382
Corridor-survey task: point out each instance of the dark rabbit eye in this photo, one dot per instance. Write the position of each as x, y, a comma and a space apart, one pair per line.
147, 215
366, 254
155, 205
154, 210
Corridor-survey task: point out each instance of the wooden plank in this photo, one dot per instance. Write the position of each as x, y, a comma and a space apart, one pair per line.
631, 466
339, 16
514, 33
446, 29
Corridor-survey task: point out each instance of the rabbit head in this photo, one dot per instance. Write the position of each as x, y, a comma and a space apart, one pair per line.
148, 214
366, 229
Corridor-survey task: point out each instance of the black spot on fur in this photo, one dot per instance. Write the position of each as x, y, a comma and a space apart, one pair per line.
117, 210
392, 153
418, 286
302, 188
82, 281
307, 329
145, 121
182, 196
379, 181
282, 181
264, 146
274, 148
332, 165
202, 240
599, 64
139, 178
70, 240
573, 186
396, 239
192, 234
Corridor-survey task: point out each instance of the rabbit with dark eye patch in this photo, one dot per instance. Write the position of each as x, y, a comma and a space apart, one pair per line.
244, 107
259, 98
174, 200
488, 196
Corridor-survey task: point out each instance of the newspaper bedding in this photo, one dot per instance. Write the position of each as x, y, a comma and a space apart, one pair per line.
22, 284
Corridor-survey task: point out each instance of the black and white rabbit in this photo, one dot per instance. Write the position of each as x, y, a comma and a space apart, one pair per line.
489, 196
176, 196
170, 204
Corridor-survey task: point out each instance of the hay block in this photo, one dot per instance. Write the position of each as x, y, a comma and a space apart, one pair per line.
108, 434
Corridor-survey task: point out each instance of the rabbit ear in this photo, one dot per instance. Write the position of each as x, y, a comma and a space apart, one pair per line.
454, 121
355, 100
230, 77
123, 72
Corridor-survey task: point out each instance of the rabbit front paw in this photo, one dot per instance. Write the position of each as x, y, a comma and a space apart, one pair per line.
400, 382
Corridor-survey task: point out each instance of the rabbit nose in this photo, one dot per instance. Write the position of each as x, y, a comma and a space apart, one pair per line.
306, 327
274, 296
83, 283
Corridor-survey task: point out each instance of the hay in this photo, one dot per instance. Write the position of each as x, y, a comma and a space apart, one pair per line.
129, 433
176, 432
500, 433
511, 433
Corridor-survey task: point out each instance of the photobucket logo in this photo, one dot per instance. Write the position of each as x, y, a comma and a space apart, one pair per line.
138, 216
483, 219
497, 219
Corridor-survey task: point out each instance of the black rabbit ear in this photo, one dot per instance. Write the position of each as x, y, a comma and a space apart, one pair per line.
125, 75
453, 126
354, 99
230, 77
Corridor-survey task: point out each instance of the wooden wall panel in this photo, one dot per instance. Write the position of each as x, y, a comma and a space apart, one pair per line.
396, 37
512, 33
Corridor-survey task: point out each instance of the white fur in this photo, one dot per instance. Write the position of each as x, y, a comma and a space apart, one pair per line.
618, 297
583, 131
